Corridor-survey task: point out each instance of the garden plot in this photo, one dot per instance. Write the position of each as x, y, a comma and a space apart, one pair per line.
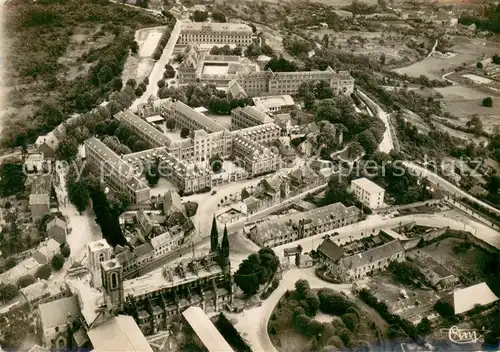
138, 66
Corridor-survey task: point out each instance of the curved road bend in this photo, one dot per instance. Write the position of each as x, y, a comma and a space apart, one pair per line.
446, 185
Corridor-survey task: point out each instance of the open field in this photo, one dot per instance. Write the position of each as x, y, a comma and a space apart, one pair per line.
467, 50
139, 66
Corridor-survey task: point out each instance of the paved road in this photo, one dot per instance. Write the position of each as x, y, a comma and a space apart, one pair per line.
159, 68
446, 185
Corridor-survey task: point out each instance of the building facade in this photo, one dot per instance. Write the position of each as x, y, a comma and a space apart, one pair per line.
215, 33
248, 116
368, 192
113, 170
97, 252
296, 226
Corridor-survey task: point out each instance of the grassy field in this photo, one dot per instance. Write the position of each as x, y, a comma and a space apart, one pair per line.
466, 50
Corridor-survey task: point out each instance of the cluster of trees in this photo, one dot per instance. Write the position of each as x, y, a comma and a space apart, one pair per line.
310, 91
365, 129
8, 292
12, 178
256, 270
254, 50
362, 8
226, 50
297, 46
306, 303
281, 65
496, 59
196, 95
107, 219
406, 273
162, 43
491, 22
53, 25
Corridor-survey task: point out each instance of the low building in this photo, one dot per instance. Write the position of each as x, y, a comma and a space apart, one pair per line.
256, 159
205, 330
47, 145
368, 192
54, 319
43, 291
34, 162
28, 266
329, 253
39, 205
46, 251
468, 298
119, 333
295, 226
274, 104
357, 266
437, 275
57, 229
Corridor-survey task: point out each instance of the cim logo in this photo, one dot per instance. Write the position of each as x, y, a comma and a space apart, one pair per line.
464, 336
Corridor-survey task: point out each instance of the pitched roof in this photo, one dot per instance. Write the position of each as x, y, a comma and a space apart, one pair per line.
331, 250
143, 249
120, 333
56, 222
59, 312
172, 202
467, 298
206, 330
36, 199
372, 255
49, 249
49, 139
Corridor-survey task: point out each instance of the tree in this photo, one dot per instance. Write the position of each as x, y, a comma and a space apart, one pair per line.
65, 250
117, 84
323, 90
10, 263
12, 178
43, 272
328, 135
214, 237
332, 302
200, 16
57, 261
312, 303
479, 65
131, 83
161, 83
309, 100
134, 47
78, 194
301, 288
218, 16
170, 123
153, 173
216, 163
351, 321
244, 194
25, 281
184, 132
67, 149
157, 54
496, 59
475, 124
424, 327
139, 92
488, 102
8, 292
247, 275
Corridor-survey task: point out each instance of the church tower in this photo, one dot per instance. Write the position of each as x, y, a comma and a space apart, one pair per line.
112, 282
98, 252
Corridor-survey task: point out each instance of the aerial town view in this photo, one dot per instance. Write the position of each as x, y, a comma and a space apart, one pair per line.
250, 175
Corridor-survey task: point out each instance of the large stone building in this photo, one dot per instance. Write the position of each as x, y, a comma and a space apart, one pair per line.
248, 116
224, 70
115, 171
215, 33
296, 226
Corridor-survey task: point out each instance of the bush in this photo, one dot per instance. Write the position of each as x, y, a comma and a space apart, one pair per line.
57, 262
43, 272
302, 288
191, 208
332, 302
161, 83
184, 132
488, 102
26, 281
65, 250
351, 321
10, 263
479, 65
8, 292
